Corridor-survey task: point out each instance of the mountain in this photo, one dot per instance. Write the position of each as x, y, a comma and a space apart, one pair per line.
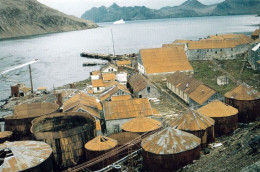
190, 8
29, 17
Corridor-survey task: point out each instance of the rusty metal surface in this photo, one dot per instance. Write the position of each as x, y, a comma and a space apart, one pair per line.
243, 92
192, 120
24, 155
170, 141
101, 143
141, 125
124, 137
217, 109
5, 136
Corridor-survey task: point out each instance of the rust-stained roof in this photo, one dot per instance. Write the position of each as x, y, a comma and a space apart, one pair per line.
30, 110
141, 125
201, 94
101, 143
243, 92
180, 41
170, 141
165, 60
114, 90
66, 92
26, 154
122, 97
98, 83
98, 126
83, 108
108, 76
217, 109
155, 111
96, 72
5, 134
196, 90
191, 120
127, 109
123, 62
81, 99
178, 45
138, 82
256, 32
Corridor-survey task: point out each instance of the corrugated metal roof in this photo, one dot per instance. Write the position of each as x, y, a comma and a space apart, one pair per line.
170, 141
123, 62
26, 154
108, 76
138, 82
191, 120
256, 32
114, 90
98, 83
201, 94
29, 110
66, 92
81, 99
98, 126
119, 98
165, 60
96, 72
141, 125
101, 143
5, 134
243, 92
127, 109
217, 109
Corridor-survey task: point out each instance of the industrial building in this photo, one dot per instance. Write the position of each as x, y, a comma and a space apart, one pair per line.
246, 100
169, 149
141, 87
20, 122
190, 90
254, 55
67, 134
193, 122
225, 116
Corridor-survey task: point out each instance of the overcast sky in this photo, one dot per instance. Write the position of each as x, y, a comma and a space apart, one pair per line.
78, 7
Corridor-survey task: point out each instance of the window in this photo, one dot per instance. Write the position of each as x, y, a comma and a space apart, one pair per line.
220, 49
231, 49
140, 96
98, 88
148, 89
216, 52
116, 128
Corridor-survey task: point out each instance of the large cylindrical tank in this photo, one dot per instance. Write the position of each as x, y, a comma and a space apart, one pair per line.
193, 122
225, 116
125, 138
30, 156
141, 125
247, 101
169, 149
20, 122
99, 146
5, 136
67, 134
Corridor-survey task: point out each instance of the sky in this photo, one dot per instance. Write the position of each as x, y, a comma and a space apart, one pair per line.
78, 7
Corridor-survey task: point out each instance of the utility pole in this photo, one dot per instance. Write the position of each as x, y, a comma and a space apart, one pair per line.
30, 70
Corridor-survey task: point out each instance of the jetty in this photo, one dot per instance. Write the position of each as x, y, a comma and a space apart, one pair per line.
108, 57
92, 64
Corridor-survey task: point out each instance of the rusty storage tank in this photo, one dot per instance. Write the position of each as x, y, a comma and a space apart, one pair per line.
124, 138
169, 149
225, 116
247, 101
30, 156
20, 122
67, 134
5, 136
141, 125
193, 122
99, 146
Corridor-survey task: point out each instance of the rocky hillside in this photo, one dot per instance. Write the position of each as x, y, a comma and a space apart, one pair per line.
29, 17
190, 8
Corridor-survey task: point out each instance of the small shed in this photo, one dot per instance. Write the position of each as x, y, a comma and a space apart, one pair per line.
141, 125
193, 122
109, 68
99, 146
169, 150
30, 156
222, 80
225, 116
246, 100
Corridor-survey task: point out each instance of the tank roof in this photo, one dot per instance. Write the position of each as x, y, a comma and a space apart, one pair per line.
141, 125
191, 120
30, 110
4, 134
217, 109
124, 137
101, 143
23, 155
170, 141
243, 92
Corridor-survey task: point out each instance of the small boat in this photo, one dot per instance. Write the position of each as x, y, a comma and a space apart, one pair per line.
119, 22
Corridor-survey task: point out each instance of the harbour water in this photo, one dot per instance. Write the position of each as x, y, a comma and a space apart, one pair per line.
59, 53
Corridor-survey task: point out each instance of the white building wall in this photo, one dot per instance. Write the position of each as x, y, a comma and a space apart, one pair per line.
101, 89
141, 68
